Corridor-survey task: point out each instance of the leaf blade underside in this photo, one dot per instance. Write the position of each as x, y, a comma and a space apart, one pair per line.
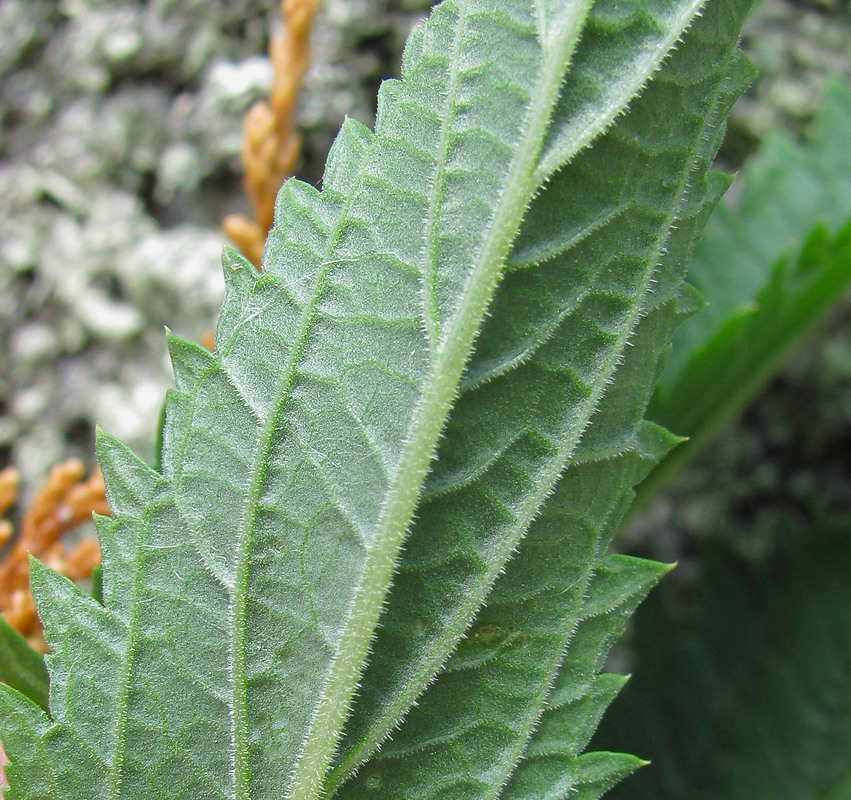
523, 320
242, 581
452, 744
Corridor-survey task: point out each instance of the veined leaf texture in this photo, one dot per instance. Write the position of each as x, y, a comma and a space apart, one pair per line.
395, 479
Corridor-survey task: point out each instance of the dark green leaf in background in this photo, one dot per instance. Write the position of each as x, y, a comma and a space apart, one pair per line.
21, 667
744, 693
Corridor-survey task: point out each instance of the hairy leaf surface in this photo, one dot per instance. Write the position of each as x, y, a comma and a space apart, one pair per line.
579, 279
560, 593
473, 724
244, 578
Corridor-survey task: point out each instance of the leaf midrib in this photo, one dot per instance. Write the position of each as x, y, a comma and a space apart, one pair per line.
566, 43
439, 391
358, 755
114, 780
554, 159
237, 612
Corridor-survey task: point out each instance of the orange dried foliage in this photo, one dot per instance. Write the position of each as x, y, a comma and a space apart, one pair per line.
272, 145
64, 501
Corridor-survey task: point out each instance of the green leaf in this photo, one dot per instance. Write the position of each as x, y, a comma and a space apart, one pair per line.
97, 584
772, 262
594, 225
471, 726
787, 189
745, 693
490, 249
21, 667
729, 370
561, 594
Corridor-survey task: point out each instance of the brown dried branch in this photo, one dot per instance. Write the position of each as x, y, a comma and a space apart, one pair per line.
272, 145
64, 501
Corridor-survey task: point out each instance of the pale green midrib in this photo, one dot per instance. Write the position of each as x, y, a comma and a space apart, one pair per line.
128, 663
552, 162
238, 667
430, 306
427, 424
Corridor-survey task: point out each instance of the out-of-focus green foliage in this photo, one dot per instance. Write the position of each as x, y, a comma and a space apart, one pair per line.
744, 691
771, 262
785, 191
21, 667
747, 349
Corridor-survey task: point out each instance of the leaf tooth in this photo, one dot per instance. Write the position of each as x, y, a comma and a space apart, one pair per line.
414, 48
24, 726
28, 720
189, 361
567, 729
130, 483
299, 239
61, 604
297, 200
346, 156
106, 528
240, 278
239, 272
117, 548
621, 583
653, 442
80, 632
596, 773
177, 411
86, 636
617, 587
389, 94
